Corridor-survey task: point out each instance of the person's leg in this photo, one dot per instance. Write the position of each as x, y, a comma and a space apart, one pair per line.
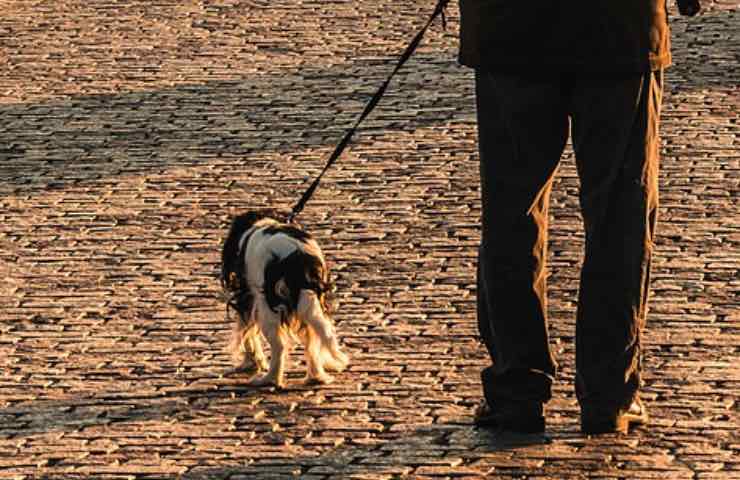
522, 127
615, 137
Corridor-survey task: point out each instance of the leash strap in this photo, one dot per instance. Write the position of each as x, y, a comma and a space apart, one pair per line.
439, 10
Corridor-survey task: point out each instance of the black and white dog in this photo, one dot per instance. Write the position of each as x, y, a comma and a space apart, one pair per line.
278, 283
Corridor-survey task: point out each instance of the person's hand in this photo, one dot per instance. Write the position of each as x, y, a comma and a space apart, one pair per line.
688, 7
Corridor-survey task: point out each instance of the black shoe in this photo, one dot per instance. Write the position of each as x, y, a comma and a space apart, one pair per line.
596, 420
521, 417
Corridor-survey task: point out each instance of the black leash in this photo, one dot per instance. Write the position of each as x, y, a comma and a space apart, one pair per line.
439, 10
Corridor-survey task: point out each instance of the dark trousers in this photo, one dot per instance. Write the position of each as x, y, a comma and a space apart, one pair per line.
524, 122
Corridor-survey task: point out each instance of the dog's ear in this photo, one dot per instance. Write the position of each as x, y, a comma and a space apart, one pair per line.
245, 221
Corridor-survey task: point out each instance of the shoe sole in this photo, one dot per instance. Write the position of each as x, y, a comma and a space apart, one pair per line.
621, 424
519, 425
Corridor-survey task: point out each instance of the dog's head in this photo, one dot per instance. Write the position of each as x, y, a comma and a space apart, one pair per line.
233, 269
232, 266
230, 252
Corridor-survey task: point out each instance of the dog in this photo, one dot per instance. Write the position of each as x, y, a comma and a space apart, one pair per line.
277, 280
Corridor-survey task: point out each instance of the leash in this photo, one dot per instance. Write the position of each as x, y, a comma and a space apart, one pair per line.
438, 11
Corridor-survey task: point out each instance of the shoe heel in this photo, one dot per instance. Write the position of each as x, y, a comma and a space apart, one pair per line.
621, 425
617, 425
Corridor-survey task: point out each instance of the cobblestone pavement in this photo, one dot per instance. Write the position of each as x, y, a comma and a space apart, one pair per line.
131, 130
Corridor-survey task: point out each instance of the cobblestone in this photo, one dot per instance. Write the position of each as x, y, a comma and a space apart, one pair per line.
130, 132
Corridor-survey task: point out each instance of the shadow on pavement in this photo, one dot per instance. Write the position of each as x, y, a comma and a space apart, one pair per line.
439, 445
90, 138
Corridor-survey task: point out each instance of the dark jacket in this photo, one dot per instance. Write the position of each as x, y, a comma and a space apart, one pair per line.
565, 35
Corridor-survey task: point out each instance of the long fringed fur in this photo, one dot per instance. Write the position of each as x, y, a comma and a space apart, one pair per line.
245, 347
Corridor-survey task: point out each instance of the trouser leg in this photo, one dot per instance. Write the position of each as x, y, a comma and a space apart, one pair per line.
615, 137
523, 127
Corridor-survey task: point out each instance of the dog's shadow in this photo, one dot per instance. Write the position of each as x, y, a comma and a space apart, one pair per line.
174, 404
302, 428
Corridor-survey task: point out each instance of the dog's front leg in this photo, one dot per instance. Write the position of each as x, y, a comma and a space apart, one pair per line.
272, 329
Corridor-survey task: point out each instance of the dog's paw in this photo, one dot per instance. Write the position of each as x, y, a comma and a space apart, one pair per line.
261, 364
324, 379
265, 381
233, 372
246, 366
338, 363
